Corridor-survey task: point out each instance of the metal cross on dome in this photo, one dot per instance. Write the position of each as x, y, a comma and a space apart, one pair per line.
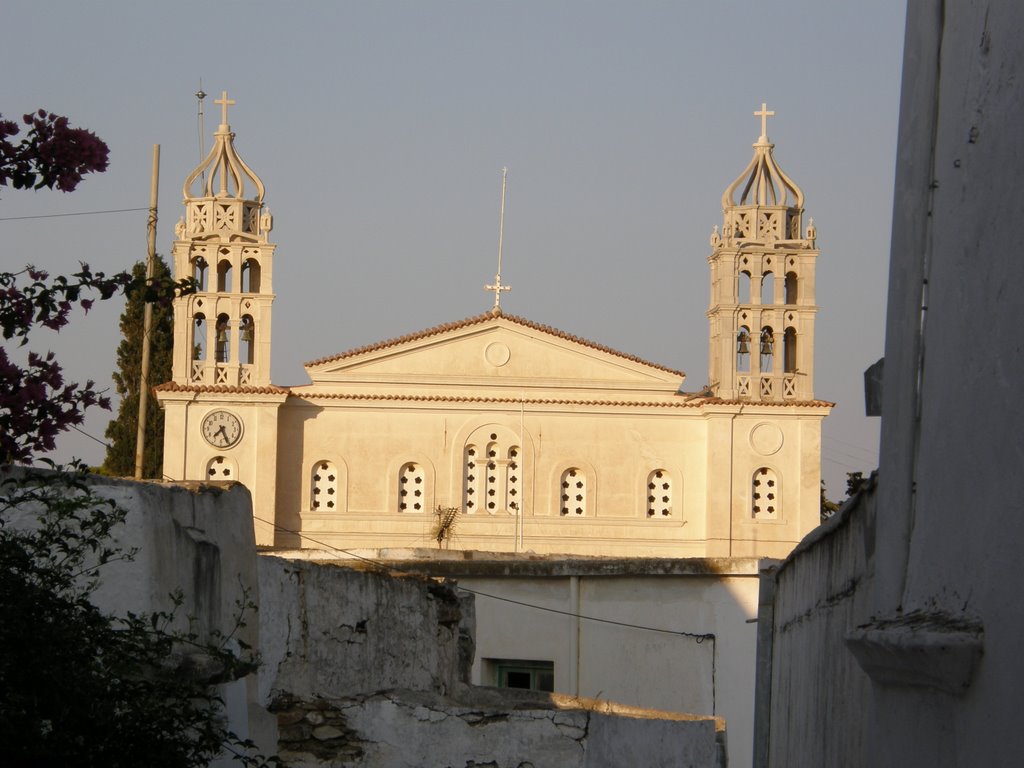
764, 114
224, 102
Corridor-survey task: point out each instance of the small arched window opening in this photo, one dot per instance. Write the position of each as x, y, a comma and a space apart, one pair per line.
743, 288
767, 349
514, 483
573, 493
221, 468
765, 495
768, 288
224, 276
223, 339
659, 494
743, 343
412, 488
791, 288
199, 336
200, 272
323, 495
247, 340
250, 276
789, 350
472, 495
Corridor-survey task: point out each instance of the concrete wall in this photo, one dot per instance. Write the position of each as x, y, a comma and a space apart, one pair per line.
529, 608
360, 668
363, 668
811, 691
936, 627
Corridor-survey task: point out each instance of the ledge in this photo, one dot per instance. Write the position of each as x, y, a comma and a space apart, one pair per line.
923, 649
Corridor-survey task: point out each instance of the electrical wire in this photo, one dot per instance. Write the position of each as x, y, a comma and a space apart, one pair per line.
80, 213
699, 637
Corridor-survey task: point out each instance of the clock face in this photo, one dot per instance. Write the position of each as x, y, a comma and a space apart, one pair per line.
222, 429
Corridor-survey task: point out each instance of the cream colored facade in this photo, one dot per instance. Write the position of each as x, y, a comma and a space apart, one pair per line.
543, 441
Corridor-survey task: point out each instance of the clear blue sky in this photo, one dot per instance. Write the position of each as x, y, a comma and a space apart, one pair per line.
379, 129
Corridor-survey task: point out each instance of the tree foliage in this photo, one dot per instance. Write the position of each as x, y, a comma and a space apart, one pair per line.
50, 154
122, 430
78, 686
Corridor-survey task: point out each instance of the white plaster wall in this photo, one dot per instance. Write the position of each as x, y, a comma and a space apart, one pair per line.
954, 545
630, 666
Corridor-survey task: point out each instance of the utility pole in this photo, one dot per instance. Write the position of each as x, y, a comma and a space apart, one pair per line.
147, 319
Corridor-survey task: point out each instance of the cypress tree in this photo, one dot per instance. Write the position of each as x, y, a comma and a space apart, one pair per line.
121, 432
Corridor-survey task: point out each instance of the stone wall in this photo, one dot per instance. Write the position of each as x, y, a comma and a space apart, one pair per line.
361, 668
367, 669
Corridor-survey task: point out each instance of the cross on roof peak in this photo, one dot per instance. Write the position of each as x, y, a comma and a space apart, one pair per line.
764, 114
224, 102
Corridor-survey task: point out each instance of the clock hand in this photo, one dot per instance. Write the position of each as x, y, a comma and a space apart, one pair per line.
224, 431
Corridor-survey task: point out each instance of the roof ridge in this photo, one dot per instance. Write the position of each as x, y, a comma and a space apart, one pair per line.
481, 318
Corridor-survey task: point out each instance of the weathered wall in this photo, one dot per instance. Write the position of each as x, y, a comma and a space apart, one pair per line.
940, 627
812, 713
366, 669
531, 608
362, 668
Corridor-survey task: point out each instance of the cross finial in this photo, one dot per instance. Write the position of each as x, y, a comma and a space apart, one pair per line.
497, 287
764, 114
224, 102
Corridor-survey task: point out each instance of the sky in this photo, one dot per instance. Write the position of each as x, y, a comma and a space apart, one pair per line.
380, 130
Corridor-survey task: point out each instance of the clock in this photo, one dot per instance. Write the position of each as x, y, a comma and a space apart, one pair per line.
222, 429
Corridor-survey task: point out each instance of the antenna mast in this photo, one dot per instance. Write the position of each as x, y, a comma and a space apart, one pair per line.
498, 288
200, 95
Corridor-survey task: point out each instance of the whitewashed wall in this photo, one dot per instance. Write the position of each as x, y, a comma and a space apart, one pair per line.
939, 631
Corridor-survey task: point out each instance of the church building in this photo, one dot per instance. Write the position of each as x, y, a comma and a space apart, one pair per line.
496, 432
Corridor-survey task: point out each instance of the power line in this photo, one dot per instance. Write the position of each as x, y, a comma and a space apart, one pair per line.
80, 213
698, 636
91, 437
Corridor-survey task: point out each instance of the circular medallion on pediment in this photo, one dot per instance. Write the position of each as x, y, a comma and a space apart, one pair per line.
497, 354
766, 439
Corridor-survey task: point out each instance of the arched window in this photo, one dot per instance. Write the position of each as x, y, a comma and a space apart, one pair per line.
199, 336
223, 339
659, 494
492, 473
472, 496
221, 468
323, 492
247, 340
200, 272
789, 350
250, 276
492, 486
514, 486
768, 288
766, 346
743, 342
573, 492
743, 288
791, 288
765, 501
224, 276
412, 488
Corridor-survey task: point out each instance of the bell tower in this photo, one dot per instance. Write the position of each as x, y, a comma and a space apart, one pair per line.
762, 308
220, 408
222, 331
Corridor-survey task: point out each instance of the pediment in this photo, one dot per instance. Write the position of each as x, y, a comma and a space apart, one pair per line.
494, 350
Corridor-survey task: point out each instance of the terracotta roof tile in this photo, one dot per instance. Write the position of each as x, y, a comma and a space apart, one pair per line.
691, 403
477, 319
172, 386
